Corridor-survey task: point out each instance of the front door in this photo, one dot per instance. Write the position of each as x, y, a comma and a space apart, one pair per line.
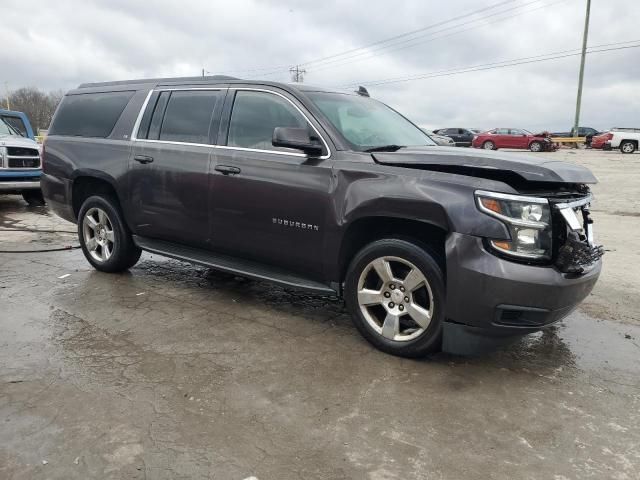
169, 166
518, 138
269, 204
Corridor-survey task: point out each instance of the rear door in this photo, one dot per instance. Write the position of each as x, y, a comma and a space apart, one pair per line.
268, 203
169, 165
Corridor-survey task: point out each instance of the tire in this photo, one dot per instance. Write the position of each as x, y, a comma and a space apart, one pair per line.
33, 197
106, 241
627, 146
380, 310
535, 147
489, 145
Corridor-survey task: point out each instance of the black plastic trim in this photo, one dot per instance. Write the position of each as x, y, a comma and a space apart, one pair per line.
224, 263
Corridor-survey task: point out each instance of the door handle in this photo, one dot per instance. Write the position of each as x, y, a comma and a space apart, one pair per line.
143, 159
227, 170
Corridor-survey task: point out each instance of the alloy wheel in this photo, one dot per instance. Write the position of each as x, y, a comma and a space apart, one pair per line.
98, 234
628, 147
488, 146
395, 298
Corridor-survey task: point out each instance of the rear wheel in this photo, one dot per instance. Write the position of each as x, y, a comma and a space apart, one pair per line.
489, 145
33, 197
394, 291
105, 239
627, 146
535, 146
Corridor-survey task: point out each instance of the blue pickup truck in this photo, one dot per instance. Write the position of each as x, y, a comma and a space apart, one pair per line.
20, 165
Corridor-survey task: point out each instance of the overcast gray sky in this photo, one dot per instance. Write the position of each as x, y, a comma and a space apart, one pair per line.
57, 45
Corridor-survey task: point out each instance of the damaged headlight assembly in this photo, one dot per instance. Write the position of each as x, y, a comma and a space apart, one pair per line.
528, 220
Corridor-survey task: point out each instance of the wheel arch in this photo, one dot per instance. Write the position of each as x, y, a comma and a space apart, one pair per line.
88, 183
365, 230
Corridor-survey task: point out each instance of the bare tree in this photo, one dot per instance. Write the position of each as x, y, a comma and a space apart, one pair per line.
38, 105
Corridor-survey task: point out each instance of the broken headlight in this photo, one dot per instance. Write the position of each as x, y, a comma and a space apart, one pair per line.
528, 220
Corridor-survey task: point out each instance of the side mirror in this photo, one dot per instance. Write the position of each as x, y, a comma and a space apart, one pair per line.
298, 138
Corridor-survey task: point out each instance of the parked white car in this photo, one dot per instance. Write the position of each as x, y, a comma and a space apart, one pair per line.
626, 140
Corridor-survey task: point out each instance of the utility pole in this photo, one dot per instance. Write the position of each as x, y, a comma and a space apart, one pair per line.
297, 74
203, 73
581, 77
6, 86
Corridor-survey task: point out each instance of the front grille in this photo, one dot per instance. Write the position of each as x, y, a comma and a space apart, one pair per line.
17, 162
573, 250
22, 152
576, 255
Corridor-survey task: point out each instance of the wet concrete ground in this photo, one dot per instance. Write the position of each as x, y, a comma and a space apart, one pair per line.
173, 371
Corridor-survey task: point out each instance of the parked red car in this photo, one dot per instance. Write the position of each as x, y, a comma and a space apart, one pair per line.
599, 141
514, 138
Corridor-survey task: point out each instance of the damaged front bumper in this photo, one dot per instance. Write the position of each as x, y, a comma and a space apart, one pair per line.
491, 300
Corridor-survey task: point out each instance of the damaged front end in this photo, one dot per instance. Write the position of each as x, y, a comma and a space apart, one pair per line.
576, 250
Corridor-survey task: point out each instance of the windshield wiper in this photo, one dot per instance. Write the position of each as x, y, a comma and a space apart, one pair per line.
385, 148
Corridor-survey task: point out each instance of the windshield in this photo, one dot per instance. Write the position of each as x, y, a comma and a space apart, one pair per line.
366, 123
7, 129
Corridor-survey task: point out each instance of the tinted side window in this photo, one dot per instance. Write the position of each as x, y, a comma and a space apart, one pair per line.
188, 116
254, 117
502, 131
89, 114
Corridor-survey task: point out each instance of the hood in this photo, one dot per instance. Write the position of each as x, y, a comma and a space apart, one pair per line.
15, 141
474, 161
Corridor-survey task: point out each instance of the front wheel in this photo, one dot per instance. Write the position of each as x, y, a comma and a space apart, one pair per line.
394, 290
105, 239
535, 147
489, 145
627, 147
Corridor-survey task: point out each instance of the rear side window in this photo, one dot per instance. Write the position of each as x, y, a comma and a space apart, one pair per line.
188, 116
90, 114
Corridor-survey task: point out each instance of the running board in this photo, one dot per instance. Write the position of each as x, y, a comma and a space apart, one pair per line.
224, 263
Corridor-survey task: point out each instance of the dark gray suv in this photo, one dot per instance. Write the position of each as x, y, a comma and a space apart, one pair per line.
333, 192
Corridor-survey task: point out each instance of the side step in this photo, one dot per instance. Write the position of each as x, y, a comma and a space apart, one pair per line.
224, 263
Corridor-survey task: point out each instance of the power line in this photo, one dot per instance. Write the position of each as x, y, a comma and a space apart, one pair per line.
267, 71
502, 64
418, 40
411, 42
428, 27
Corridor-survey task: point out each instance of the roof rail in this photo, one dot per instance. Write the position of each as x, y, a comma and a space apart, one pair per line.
157, 80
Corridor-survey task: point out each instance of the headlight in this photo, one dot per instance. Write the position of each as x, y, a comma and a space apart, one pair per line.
528, 220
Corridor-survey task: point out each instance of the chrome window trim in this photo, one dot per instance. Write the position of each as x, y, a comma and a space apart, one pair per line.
324, 142
136, 125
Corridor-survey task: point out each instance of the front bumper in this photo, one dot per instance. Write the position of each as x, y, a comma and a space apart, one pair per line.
8, 187
488, 296
16, 181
